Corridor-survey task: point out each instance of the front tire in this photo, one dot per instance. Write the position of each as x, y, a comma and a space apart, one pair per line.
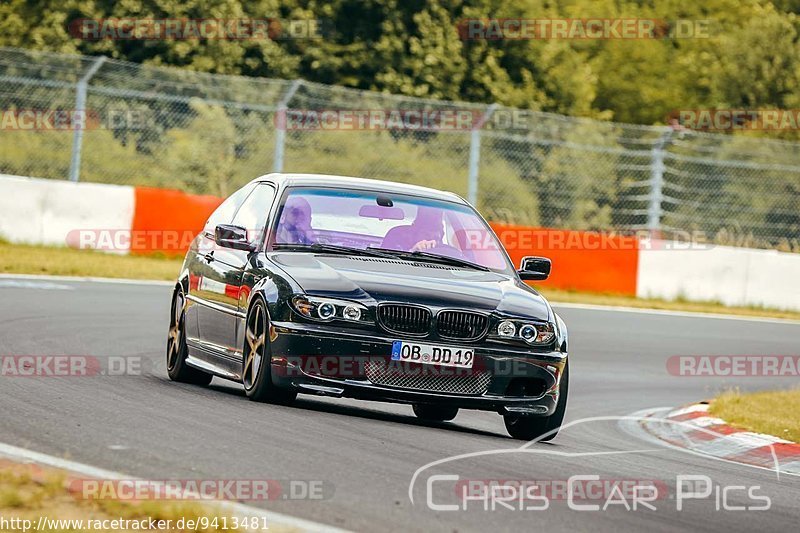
256, 367
435, 413
177, 369
533, 427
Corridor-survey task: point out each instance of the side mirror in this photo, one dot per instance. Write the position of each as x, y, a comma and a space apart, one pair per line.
228, 236
534, 268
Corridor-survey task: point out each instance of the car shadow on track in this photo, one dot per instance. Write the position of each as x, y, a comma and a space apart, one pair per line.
309, 403
349, 410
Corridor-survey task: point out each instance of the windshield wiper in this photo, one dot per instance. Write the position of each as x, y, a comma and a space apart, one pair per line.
330, 249
416, 256
385, 253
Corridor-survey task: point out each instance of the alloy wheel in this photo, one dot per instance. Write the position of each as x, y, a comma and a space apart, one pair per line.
255, 346
175, 337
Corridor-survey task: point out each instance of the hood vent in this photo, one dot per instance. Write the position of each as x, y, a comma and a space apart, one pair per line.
401, 262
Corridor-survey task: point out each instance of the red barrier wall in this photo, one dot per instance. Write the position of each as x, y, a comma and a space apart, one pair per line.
166, 221
582, 260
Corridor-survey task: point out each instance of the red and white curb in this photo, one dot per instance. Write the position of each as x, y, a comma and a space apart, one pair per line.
692, 428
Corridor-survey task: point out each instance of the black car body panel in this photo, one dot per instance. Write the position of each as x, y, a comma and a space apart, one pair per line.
222, 283
370, 279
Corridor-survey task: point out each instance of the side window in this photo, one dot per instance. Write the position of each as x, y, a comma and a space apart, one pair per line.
224, 213
254, 211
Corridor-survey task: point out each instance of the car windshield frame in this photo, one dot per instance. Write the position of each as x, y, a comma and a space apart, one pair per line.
278, 207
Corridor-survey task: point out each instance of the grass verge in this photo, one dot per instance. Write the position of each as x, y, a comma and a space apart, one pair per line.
25, 259
772, 412
28, 492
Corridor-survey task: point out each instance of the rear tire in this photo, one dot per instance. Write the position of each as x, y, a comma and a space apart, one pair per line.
177, 369
256, 367
435, 413
533, 427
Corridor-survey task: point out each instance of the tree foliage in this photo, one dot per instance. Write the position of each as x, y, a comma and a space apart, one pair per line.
413, 47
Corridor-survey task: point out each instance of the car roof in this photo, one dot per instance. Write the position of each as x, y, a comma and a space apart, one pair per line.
348, 182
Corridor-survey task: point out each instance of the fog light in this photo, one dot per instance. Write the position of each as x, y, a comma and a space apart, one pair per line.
506, 329
326, 311
351, 312
528, 332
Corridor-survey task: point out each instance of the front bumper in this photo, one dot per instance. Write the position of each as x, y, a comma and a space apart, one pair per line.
330, 361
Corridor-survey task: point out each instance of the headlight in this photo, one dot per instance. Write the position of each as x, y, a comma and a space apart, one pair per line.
327, 309
351, 312
506, 328
537, 334
530, 333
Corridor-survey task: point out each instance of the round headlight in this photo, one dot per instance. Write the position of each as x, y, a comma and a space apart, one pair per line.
351, 312
528, 332
506, 328
326, 311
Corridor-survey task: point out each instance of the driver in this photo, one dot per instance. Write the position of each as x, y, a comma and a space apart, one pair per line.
425, 233
294, 226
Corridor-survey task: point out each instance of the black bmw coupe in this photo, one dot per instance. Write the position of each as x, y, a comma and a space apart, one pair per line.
349, 287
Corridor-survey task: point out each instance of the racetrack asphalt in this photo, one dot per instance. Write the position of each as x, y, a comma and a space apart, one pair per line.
365, 453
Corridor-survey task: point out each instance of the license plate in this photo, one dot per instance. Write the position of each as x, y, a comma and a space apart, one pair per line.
414, 352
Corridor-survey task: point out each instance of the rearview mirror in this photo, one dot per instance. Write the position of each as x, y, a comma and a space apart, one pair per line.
534, 268
229, 236
381, 212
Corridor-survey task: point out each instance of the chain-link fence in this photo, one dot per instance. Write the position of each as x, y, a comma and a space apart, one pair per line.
206, 133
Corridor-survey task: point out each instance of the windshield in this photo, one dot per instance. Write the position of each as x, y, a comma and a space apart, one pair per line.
363, 220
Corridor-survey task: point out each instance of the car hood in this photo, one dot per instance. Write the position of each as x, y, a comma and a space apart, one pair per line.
369, 279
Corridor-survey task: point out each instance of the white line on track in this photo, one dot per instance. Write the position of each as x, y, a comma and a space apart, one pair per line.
278, 519
685, 314
121, 281
34, 284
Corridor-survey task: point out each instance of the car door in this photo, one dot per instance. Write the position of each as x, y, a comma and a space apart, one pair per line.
204, 276
222, 284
